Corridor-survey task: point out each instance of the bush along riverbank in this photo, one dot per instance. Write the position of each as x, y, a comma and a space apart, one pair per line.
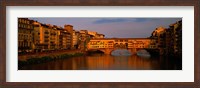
38, 60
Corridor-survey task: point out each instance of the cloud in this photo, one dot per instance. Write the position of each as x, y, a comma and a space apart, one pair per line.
109, 20
115, 20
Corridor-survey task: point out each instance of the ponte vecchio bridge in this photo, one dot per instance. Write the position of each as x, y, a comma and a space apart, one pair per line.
107, 45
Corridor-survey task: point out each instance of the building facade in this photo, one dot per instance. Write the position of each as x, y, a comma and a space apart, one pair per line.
158, 38
174, 39
25, 35
109, 44
69, 29
168, 40
76, 41
39, 37
101, 43
117, 43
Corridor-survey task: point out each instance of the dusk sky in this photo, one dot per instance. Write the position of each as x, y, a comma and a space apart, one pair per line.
113, 27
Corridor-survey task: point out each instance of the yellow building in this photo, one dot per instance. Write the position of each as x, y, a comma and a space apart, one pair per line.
60, 37
158, 35
141, 43
101, 43
99, 35
57, 36
75, 37
92, 33
64, 39
69, 29
36, 34
41, 36
69, 41
107, 45
46, 37
25, 35
119, 43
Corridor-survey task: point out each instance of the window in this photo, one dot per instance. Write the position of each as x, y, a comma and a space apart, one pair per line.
26, 44
27, 37
20, 36
22, 21
22, 44
18, 43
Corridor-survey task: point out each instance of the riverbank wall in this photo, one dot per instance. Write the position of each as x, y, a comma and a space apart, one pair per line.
27, 56
38, 58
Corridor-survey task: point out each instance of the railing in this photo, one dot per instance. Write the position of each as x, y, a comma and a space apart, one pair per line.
46, 36
46, 32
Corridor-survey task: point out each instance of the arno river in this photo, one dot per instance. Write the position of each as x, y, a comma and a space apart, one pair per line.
108, 62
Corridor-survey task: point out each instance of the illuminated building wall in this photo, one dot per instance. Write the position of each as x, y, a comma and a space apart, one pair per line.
25, 34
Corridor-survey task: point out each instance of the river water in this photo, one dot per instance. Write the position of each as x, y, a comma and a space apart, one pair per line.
108, 62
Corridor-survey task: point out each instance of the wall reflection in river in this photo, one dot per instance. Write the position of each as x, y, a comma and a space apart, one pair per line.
108, 62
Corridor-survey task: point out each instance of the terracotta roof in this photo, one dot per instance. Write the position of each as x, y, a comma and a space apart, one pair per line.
68, 25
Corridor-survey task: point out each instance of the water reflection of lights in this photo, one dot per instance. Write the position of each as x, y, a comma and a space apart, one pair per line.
106, 62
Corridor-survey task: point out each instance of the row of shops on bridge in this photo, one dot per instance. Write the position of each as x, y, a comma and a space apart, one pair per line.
132, 44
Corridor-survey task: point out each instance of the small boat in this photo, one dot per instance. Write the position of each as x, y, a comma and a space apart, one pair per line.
143, 53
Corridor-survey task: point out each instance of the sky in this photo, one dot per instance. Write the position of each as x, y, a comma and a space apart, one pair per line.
113, 27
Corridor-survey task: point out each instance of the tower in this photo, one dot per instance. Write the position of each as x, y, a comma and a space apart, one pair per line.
69, 28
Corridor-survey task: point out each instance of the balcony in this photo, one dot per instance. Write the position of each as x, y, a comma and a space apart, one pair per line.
46, 40
53, 33
52, 44
46, 36
46, 32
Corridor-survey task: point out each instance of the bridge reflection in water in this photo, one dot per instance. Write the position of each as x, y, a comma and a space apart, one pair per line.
108, 62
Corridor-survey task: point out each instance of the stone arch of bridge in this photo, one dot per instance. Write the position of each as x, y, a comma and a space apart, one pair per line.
105, 51
102, 50
109, 50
